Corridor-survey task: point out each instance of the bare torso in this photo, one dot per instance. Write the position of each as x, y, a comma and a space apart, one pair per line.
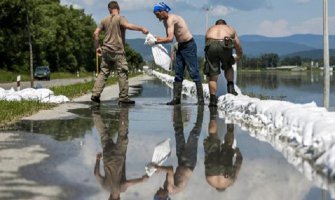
219, 32
179, 27
219, 181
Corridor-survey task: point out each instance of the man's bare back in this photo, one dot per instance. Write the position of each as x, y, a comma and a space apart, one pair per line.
178, 27
219, 32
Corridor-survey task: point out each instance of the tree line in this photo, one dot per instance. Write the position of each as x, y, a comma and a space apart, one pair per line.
272, 60
61, 37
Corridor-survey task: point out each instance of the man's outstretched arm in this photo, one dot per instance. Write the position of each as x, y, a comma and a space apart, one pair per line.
135, 27
97, 168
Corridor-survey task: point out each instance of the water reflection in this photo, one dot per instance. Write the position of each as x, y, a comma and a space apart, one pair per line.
294, 86
186, 152
113, 154
220, 169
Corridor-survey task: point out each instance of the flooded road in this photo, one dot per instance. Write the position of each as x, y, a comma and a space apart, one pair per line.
105, 150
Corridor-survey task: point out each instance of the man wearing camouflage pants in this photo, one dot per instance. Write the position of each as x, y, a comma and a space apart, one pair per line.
113, 53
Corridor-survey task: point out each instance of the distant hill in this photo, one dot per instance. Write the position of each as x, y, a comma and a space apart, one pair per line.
311, 40
253, 49
307, 45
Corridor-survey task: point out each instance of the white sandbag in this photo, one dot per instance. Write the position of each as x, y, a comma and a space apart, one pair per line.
43, 95
159, 52
161, 57
161, 153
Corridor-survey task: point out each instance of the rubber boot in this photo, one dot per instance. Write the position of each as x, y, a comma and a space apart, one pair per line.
200, 93
231, 89
212, 113
177, 87
212, 101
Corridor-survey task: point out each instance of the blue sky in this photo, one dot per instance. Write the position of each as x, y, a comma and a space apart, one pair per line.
271, 18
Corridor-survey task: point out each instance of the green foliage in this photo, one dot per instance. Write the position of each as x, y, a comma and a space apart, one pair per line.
12, 111
134, 59
60, 129
61, 36
78, 89
72, 91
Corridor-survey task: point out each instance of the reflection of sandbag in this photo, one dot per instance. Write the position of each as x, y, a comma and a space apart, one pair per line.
161, 153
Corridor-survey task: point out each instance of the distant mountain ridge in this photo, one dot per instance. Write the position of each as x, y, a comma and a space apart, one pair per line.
304, 45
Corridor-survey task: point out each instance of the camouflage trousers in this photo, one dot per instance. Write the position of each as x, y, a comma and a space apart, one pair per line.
118, 63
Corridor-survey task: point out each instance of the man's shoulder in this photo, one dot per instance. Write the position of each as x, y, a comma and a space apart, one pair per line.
174, 16
109, 18
105, 19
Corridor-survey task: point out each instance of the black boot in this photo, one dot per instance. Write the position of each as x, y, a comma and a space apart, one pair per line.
95, 99
177, 88
200, 93
231, 89
126, 102
212, 113
212, 101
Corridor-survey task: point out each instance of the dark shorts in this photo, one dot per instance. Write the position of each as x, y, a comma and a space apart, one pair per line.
218, 56
218, 158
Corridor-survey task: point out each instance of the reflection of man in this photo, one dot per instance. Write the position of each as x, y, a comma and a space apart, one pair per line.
220, 170
113, 53
186, 54
220, 41
186, 154
114, 156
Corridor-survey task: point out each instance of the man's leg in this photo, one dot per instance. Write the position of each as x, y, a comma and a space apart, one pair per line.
229, 75
189, 54
177, 88
212, 86
99, 84
178, 80
122, 73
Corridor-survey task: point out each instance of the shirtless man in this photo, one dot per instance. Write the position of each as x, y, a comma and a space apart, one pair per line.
186, 54
220, 168
221, 39
186, 151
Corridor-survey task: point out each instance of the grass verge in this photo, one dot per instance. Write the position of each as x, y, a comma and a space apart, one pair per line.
12, 111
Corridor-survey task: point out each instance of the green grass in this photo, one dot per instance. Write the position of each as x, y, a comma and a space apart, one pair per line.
78, 89
12, 111
7, 76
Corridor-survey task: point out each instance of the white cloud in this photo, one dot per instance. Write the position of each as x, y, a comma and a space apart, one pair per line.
135, 5
274, 28
282, 27
242, 4
220, 10
303, 1
314, 26
69, 2
89, 2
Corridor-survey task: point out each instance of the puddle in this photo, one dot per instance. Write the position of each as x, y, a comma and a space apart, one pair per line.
210, 158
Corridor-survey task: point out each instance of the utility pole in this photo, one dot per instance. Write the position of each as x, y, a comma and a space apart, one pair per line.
206, 9
30, 47
325, 55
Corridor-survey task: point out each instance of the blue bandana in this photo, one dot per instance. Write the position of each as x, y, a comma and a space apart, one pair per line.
161, 7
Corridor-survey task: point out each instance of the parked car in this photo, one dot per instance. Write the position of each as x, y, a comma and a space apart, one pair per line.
42, 73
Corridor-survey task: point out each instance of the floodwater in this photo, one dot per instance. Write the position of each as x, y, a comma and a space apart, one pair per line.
210, 158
